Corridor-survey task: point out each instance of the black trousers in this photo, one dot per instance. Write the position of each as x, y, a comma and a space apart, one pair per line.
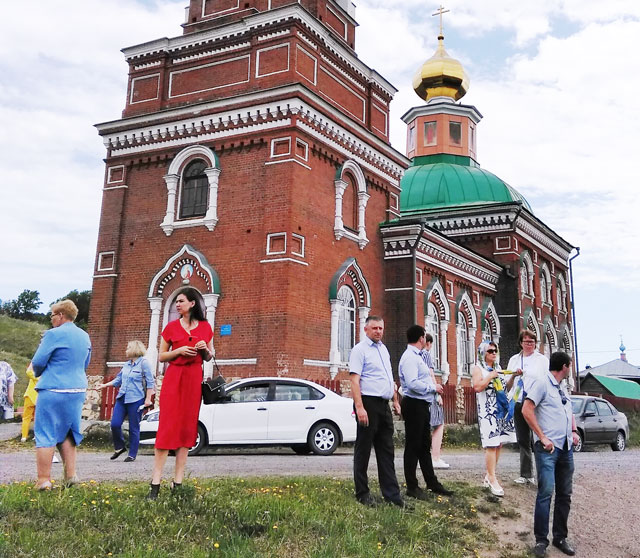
417, 448
525, 442
379, 435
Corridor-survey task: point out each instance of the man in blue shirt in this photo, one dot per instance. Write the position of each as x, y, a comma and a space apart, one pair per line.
548, 411
418, 393
372, 388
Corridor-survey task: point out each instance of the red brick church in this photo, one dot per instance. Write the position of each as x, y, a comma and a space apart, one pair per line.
253, 162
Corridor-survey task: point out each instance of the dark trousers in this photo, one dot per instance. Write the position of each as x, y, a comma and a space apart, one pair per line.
555, 471
525, 441
120, 410
417, 447
379, 435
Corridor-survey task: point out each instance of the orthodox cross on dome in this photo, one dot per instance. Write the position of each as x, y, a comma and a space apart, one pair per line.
440, 11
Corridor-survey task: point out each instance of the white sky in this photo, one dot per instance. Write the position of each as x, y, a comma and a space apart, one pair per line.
555, 82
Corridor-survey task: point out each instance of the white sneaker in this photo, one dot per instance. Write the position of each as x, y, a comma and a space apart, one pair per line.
440, 464
520, 480
485, 482
55, 459
23, 440
532, 480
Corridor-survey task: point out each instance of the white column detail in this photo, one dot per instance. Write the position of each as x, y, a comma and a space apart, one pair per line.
363, 314
338, 227
444, 361
471, 344
211, 304
363, 198
155, 303
172, 189
334, 354
211, 217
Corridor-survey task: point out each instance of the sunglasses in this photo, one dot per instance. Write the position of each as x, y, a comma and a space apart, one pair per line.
492, 351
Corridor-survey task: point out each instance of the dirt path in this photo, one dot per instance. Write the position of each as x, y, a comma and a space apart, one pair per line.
604, 513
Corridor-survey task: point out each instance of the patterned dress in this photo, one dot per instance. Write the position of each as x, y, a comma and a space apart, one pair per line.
494, 431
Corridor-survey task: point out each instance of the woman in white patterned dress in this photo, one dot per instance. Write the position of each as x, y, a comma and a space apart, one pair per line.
496, 427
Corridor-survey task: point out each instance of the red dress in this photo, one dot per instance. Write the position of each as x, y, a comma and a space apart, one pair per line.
181, 388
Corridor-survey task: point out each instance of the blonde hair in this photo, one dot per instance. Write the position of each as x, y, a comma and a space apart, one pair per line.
67, 308
135, 349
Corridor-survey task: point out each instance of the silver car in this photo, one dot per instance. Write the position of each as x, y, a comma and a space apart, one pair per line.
599, 422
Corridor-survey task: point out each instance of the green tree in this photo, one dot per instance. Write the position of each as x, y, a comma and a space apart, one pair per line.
82, 300
24, 307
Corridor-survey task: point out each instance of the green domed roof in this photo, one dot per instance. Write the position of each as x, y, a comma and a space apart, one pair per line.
438, 181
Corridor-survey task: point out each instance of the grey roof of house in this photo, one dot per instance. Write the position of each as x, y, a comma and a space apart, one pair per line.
619, 368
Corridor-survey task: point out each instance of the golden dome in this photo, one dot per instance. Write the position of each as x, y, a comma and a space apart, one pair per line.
441, 76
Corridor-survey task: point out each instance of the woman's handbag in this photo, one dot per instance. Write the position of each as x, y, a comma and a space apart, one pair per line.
213, 390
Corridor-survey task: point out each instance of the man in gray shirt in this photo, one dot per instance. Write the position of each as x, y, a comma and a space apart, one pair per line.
372, 388
548, 411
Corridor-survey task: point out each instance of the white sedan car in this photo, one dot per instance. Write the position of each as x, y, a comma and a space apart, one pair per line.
271, 411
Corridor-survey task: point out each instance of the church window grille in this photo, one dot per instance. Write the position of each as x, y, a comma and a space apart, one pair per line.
195, 189
346, 322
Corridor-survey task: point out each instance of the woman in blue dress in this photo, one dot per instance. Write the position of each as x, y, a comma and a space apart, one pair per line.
60, 362
136, 384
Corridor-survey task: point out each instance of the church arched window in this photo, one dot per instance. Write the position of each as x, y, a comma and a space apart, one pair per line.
433, 327
463, 345
351, 203
526, 275
545, 284
561, 293
346, 322
194, 191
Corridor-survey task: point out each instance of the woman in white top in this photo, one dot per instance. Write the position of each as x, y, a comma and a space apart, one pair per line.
496, 428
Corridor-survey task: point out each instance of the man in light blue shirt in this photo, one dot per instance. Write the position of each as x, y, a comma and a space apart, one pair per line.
548, 411
418, 392
372, 388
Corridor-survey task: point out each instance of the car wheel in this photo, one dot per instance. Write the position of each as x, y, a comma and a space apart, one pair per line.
201, 441
323, 439
621, 442
301, 449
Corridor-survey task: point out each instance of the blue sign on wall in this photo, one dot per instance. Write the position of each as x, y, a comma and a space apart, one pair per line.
225, 329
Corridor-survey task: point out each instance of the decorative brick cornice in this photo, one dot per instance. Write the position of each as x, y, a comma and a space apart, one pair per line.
261, 22
232, 123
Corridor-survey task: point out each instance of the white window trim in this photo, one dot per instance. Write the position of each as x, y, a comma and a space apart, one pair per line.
271, 236
340, 186
113, 261
110, 170
306, 149
302, 240
173, 180
275, 141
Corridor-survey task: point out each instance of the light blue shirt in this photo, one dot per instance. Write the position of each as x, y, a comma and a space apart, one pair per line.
62, 358
415, 376
554, 417
129, 380
371, 361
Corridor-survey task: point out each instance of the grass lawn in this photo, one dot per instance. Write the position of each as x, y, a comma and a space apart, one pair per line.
307, 517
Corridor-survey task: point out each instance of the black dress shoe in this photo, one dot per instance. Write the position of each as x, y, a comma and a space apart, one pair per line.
129, 459
565, 547
439, 489
368, 501
153, 492
540, 550
400, 503
417, 493
118, 453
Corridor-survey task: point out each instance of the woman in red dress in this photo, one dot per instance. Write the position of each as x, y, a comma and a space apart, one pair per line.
185, 344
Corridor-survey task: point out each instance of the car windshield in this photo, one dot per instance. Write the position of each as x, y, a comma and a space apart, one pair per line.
577, 405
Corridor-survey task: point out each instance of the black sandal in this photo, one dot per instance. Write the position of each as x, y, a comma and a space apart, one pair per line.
118, 453
153, 492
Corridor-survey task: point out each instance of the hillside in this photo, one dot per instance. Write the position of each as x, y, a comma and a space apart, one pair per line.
18, 341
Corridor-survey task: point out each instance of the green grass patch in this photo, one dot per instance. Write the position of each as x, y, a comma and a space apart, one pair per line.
281, 518
19, 340
634, 428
